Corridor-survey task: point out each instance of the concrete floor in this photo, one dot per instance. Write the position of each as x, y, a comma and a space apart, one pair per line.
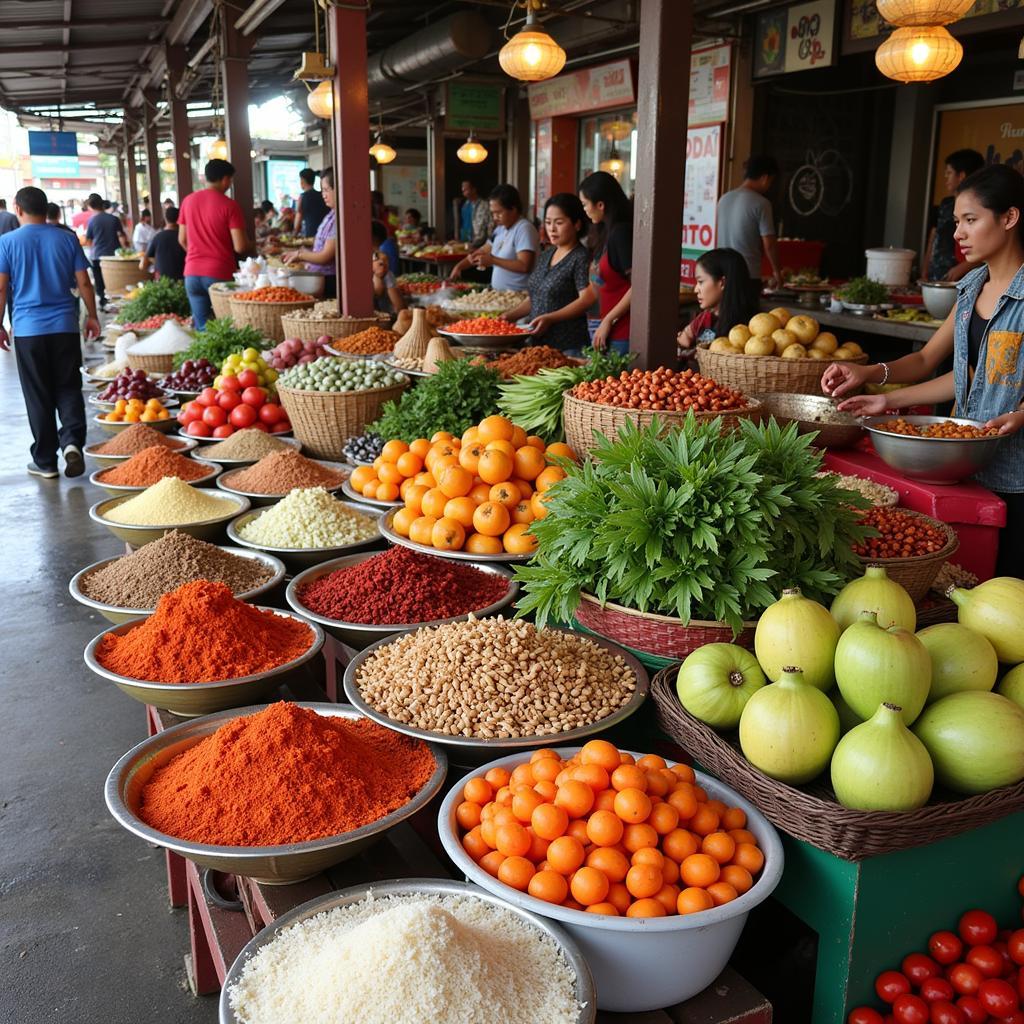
86, 933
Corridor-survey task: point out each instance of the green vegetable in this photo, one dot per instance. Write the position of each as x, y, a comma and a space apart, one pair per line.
219, 339
163, 296
699, 523
862, 291
455, 398
334, 373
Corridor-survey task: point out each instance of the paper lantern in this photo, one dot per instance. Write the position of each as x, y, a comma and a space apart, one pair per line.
218, 150
382, 152
905, 13
918, 54
472, 152
531, 55
321, 100
167, 165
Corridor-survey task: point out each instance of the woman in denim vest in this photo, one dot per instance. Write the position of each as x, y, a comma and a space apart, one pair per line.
984, 332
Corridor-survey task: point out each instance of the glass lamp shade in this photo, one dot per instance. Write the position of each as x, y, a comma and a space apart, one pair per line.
218, 150
382, 152
531, 56
321, 100
617, 130
905, 13
472, 152
918, 54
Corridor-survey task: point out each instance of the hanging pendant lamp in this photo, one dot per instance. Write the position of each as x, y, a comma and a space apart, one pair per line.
918, 54
906, 13
531, 55
614, 164
218, 149
321, 100
382, 152
472, 151
167, 165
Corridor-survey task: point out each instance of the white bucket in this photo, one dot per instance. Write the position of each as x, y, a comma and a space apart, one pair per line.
890, 266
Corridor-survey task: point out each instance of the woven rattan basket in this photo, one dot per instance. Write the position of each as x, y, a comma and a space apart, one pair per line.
812, 813
121, 275
159, 364
762, 374
265, 316
916, 575
580, 419
324, 420
306, 329
220, 301
661, 635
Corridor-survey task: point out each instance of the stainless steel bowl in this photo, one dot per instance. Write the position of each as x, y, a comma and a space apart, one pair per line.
182, 432
237, 463
353, 495
297, 559
192, 699
584, 992
115, 427
389, 534
813, 414
274, 864
106, 461
116, 490
258, 500
118, 615
467, 751
939, 297
485, 341
359, 634
206, 529
933, 460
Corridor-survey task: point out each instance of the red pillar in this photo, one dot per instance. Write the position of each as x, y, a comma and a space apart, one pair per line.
351, 130
180, 137
235, 71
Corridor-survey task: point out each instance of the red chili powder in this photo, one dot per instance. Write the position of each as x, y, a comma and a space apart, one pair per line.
285, 775
402, 586
150, 466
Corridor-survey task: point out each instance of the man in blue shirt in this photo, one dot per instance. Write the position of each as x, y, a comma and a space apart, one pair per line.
39, 266
106, 232
8, 222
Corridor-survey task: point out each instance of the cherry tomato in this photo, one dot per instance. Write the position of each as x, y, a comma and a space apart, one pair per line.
935, 990
998, 997
986, 959
1008, 965
944, 1012
966, 979
865, 1015
973, 1011
945, 947
890, 984
977, 928
1014, 1018
910, 1009
918, 968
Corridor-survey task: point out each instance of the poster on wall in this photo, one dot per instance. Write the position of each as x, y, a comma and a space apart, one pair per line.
405, 187
867, 23
709, 84
598, 88
282, 182
700, 196
795, 39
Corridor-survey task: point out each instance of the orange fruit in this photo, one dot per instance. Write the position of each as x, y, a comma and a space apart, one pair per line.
474, 845
495, 428
386, 492
448, 534
506, 494
434, 502
562, 450
512, 839
741, 835
441, 435
522, 775
369, 490
377, 463
628, 776
467, 814
680, 844
391, 451
540, 510
516, 872
739, 878
498, 777
420, 530
495, 466
670, 871
608, 909
478, 791
733, 818
536, 442
589, 886
576, 797
547, 885
704, 822
618, 896
632, 805
403, 520
481, 492
524, 803
469, 456
668, 897
549, 821
610, 861
546, 769
517, 541
528, 462
461, 510
748, 856
523, 512
600, 752
518, 437
455, 482
480, 544
683, 800
683, 772
719, 845
604, 828
649, 855
414, 494
648, 907
657, 784
592, 774
565, 855
525, 487
425, 480
700, 869
470, 436
491, 519
722, 892
664, 818
490, 862
441, 463
643, 880
636, 837
361, 476
420, 447
403, 487
409, 464
501, 446
549, 478
693, 900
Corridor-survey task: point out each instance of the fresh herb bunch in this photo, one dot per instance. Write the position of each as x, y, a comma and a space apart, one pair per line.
535, 402
699, 523
218, 339
862, 291
163, 296
456, 397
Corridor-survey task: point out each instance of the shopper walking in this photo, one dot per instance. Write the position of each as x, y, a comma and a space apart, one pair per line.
164, 250
55, 216
8, 222
474, 215
39, 267
310, 209
746, 222
105, 232
211, 230
144, 232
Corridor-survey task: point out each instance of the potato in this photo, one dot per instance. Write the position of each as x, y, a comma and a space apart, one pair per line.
853, 347
721, 345
818, 353
795, 352
759, 346
780, 314
804, 327
783, 339
740, 334
764, 324
843, 352
826, 341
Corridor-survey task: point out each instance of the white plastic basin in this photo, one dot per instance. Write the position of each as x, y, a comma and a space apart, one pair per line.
890, 266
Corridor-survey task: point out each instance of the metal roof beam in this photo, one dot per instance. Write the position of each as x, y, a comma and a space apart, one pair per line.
110, 44
74, 23
187, 20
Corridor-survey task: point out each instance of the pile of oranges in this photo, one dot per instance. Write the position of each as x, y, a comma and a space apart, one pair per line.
478, 493
608, 834
135, 410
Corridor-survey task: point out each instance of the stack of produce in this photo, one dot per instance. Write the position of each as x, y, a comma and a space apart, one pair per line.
293, 350
363, 448
338, 374
236, 403
161, 296
488, 299
878, 494
140, 579
248, 444
372, 341
219, 339
401, 586
150, 466
131, 384
135, 439
418, 284
779, 333
309, 518
251, 365
494, 679
283, 471
201, 633
157, 320
171, 502
949, 429
485, 325
862, 291
899, 535
586, 834
529, 360
272, 294
170, 338
193, 375
660, 389
135, 410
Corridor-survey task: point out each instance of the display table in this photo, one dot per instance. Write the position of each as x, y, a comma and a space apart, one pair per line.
843, 325
975, 513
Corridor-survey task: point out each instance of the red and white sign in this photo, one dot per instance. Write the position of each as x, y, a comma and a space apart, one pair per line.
597, 88
710, 68
700, 195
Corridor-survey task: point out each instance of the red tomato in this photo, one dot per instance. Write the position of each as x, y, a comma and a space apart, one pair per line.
254, 396
197, 428
890, 984
918, 968
229, 382
998, 997
936, 990
973, 1011
986, 959
224, 430
1014, 1018
214, 416
248, 379
280, 427
243, 416
257, 425
865, 1015
270, 413
945, 947
208, 396
944, 1012
910, 1009
227, 400
977, 928
966, 979
1008, 965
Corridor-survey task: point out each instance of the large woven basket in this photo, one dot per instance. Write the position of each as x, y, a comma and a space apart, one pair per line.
763, 374
916, 575
661, 635
324, 420
581, 419
159, 364
265, 316
306, 329
121, 275
220, 301
812, 813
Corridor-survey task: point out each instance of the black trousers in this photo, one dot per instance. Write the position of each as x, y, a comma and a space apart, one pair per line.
1010, 561
97, 274
48, 369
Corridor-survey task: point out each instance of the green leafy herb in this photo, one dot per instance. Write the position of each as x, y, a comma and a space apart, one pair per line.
700, 524
456, 397
163, 296
862, 291
219, 339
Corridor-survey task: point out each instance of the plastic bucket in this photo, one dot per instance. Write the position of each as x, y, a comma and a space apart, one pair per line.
890, 266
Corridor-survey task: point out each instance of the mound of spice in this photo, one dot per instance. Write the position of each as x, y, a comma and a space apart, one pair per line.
285, 775
661, 389
402, 586
367, 343
528, 361
201, 633
170, 502
250, 444
281, 472
150, 466
309, 518
140, 579
136, 438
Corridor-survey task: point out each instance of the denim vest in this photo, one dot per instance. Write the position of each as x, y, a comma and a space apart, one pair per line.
998, 383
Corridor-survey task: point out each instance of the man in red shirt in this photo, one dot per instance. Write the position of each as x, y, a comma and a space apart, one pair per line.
211, 230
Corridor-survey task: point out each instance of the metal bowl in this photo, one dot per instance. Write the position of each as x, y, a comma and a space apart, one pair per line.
274, 864
116, 490
360, 634
353, 495
206, 529
804, 410
584, 992
933, 460
192, 699
106, 404
106, 461
112, 427
239, 463
298, 559
284, 435
118, 615
459, 556
258, 500
485, 341
469, 751
939, 297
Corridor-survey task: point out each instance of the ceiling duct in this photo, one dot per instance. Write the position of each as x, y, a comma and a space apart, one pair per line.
435, 50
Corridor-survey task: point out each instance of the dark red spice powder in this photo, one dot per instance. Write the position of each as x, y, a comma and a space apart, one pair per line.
402, 586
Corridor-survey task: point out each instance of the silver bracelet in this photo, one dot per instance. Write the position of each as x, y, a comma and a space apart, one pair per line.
885, 376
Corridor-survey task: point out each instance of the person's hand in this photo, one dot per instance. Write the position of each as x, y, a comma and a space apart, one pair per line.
380, 266
841, 378
92, 329
5, 340
864, 405
683, 339
772, 284
604, 329
539, 324
482, 260
455, 273
290, 257
1008, 423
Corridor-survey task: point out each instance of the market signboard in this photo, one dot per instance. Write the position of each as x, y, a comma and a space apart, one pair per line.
795, 39
709, 84
700, 196
474, 107
54, 154
598, 88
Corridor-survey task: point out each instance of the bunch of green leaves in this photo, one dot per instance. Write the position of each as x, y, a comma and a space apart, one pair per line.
455, 398
863, 291
218, 339
535, 402
163, 296
699, 524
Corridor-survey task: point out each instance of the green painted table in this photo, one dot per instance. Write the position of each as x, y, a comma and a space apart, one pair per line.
868, 915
